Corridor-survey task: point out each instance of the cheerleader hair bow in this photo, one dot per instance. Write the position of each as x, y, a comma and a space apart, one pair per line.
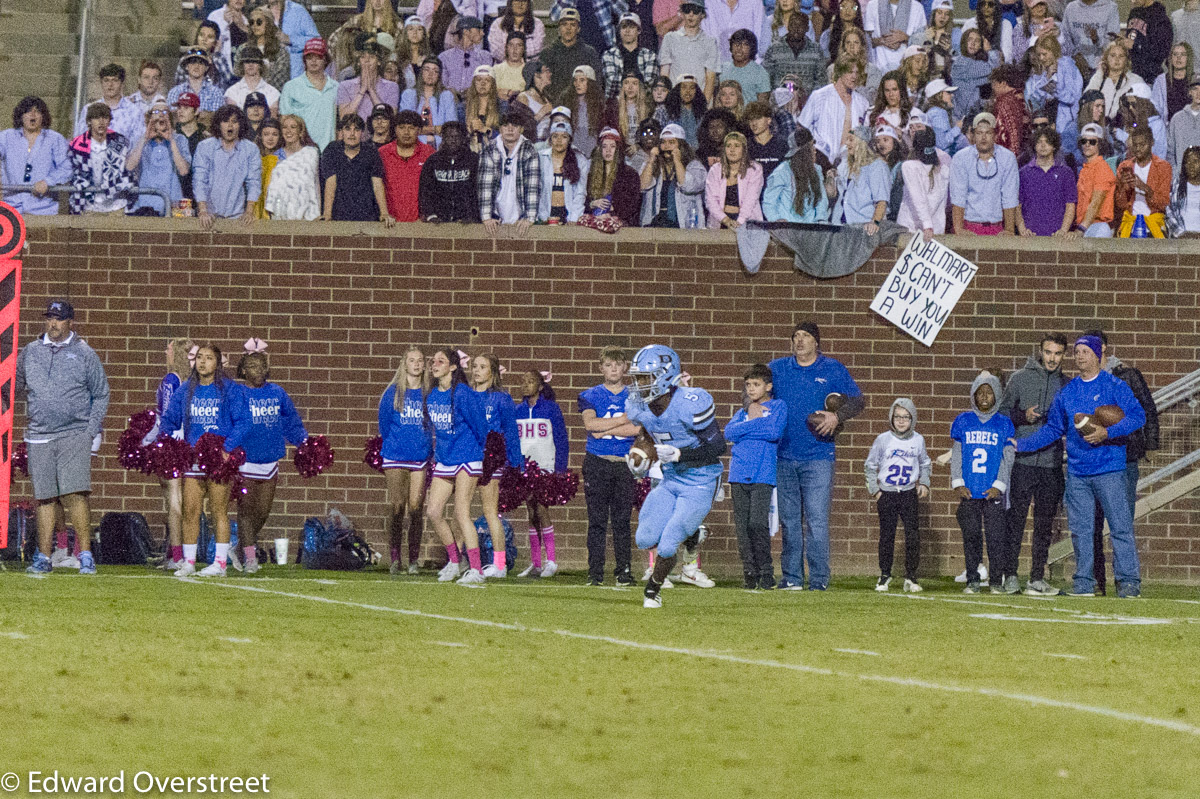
254, 344
196, 348
685, 380
547, 376
464, 360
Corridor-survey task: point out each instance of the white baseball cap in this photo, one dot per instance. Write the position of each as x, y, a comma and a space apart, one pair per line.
1091, 131
673, 131
936, 87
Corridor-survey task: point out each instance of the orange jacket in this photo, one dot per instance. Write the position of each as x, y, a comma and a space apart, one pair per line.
1159, 181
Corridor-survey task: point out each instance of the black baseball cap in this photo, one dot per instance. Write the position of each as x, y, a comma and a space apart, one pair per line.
59, 309
255, 98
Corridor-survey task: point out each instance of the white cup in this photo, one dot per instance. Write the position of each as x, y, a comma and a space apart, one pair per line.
281, 551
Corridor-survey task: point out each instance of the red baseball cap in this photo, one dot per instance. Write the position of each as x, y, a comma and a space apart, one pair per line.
316, 46
189, 99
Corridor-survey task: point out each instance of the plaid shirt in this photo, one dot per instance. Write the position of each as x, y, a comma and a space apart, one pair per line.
614, 67
115, 179
529, 179
607, 13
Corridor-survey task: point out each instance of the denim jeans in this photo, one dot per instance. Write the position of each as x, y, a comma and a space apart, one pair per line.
805, 491
1112, 491
1098, 569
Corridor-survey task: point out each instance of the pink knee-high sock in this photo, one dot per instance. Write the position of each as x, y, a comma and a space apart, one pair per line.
452, 553
61, 540
177, 552
474, 560
250, 552
535, 547
500, 560
548, 540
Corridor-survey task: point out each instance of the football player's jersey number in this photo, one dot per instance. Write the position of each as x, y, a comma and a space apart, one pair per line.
610, 415
898, 475
979, 461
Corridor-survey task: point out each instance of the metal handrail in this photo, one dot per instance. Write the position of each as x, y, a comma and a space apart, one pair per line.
81, 64
65, 188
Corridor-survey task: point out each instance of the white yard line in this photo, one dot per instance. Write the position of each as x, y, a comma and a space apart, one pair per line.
858, 652
237, 640
14, 635
1029, 699
1064, 656
1050, 608
1097, 620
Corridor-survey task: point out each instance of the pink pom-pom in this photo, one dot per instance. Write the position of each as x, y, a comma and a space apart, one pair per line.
20, 459
373, 453
515, 485
494, 456
640, 489
130, 452
555, 488
228, 472
168, 458
142, 422
210, 452
238, 487
313, 456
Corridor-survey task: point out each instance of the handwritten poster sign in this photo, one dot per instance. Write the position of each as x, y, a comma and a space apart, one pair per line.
923, 288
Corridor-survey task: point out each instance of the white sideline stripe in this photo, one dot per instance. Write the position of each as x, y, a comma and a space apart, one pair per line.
454, 644
1064, 655
237, 640
1051, 608
1100, 620
15, 636
1031, 699
858, 652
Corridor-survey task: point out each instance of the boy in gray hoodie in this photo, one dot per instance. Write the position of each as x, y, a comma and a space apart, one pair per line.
897, 471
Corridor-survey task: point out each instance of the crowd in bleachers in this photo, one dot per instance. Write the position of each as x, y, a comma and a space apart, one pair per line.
1032, 117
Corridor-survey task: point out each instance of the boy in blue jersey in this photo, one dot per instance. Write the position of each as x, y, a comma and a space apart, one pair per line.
1095, 467
980, 464
607, 483
689, 444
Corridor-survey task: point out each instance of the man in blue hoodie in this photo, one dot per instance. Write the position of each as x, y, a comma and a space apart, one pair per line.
804, 473
1095, 467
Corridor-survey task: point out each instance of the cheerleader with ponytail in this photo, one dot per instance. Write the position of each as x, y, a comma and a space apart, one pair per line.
199, 406
497, 408
544, 441
407, 444
460, 427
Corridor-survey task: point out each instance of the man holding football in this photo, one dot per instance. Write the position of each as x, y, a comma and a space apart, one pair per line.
1094, 411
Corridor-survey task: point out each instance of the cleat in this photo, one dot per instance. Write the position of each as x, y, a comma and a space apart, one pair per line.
667, 583
652, 595
233, 560
413, 568
750, 582
912, 586
973, 587
40, 565
62, 559
692, 575
186, 570
472, 577
449, 572
882, 585
531, 571
252, 566
212, 570
652, 602
692, 543
492, 573
983, 575
87, 564
625, 580
550, 569
173, 565
1011, 585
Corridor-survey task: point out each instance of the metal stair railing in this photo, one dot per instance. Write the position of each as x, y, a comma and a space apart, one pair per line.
81, 62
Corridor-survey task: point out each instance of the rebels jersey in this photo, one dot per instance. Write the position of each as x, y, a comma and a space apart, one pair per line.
543, 434
983, 454
606, 405
690, 410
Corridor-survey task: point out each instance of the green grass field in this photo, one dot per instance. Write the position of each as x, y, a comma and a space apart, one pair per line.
363, 686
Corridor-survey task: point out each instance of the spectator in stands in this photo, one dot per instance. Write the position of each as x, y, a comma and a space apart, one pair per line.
795, 190
296, 28
984, 183
126, 116
996, 30
459, 64
208, 39
734, 186
510, 180
787, 100
892, 28
1008, 105
34, 156
691, 51
1091, 112
413, 49
382, 124
362, 93
517, 18
536, 96
249, 66
1143, 187
848, 17
628, 56
1055, 82
268, 140
969, 72
1184, 131
715, 126
567, 53
1183, 214
1097, 187
673, 182
729, 98
563, 169
481, 109
939, 36
775, 22
926, 180
585, 100
99, 175
196, 63
148, 94
939, 105
433, 101
1048, 190
275, 66
158, 160
854, 46
833, 110
722, 19
597, 22
647, 34
1137, 111
1185, 22
1113, 79
892, 105
628, 110
685, 107
292, 192
448, 190
864, 184
754, 81
1149, 33
765, 147
233, 26
613, 188
510, 71
402, 163
660, 87
352, 177
227, 170
1170, 90
796, 55
439, 15
313, 95
256, 111
188, 125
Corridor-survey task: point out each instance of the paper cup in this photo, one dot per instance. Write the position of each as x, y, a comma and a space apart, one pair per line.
281, 551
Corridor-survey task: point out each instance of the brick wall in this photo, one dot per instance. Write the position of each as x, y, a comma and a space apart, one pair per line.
339, 302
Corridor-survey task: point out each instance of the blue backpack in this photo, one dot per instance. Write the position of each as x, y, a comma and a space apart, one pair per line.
333, 548
485, 542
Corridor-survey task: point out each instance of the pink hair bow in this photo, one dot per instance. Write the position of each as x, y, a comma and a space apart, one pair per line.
547, 376
464, 360
254, 344
685, 380
503, 369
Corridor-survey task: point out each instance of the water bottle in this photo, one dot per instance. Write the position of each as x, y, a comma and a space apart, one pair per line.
693, 220
1140, 231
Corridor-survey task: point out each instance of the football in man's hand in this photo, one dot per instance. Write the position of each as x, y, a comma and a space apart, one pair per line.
642, 454
1104, 416
833, 403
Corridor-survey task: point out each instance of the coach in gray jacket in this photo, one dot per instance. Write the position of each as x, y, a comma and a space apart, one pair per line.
1036, 476
66, 399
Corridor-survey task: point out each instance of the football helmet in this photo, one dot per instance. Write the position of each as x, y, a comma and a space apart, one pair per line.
655, 371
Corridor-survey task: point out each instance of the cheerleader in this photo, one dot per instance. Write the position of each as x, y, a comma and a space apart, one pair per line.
177, 362
460, 427
497, 407
407, 445
264, 418
199, 406
544, 441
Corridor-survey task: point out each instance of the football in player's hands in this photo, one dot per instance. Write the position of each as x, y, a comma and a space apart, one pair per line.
642, 454
1104, 416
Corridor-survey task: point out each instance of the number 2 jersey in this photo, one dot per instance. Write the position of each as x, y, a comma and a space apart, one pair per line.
982, 458
689, 423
